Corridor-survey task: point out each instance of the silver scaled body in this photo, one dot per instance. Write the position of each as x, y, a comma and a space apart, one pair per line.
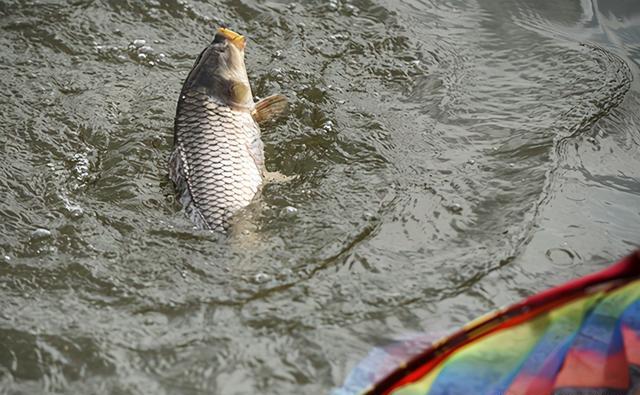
218, 159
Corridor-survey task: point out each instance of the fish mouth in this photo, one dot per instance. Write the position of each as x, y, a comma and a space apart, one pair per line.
234, 38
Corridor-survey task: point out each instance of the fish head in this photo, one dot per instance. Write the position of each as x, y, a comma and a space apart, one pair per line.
220, 71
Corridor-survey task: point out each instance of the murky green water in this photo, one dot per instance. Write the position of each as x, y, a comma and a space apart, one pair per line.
448, 157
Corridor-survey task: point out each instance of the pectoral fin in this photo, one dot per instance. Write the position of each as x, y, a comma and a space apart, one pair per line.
270, 108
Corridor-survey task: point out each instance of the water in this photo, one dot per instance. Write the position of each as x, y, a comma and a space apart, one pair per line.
445, 158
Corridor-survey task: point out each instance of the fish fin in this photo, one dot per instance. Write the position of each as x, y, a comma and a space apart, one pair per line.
255, 150
267, 176
270, 108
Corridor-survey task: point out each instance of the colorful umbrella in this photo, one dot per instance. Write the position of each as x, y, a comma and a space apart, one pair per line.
581, 338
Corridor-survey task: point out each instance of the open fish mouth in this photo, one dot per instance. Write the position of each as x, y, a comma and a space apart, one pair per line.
234, 38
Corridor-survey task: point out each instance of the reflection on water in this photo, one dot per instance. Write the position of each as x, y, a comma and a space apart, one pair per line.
447, 157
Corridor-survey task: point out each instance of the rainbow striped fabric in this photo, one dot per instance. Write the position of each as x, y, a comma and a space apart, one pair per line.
582, 338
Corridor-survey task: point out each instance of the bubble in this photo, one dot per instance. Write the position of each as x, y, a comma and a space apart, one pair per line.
40, 234
73, 209
594, 142
328, 126
82, 166
454, 208
561, 256
142, 56
290, 210
145, 49
369, 216
261, 278
139, 43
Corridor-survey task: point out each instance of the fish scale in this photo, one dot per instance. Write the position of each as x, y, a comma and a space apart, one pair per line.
217, 161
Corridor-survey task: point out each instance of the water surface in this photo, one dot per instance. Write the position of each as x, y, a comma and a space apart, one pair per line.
446, 158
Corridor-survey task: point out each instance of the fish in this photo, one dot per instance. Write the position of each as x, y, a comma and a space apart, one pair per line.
217, 161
